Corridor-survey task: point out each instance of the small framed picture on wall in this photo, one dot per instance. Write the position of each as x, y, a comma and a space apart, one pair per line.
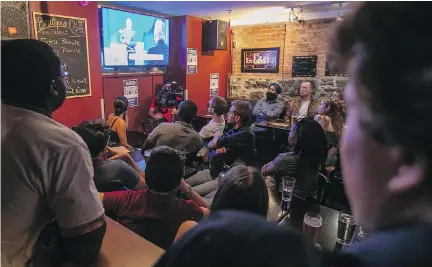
260, 60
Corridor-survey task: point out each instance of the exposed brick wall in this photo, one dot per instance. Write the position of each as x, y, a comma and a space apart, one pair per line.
293, 39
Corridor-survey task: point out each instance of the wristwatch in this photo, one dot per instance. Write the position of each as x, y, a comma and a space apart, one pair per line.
189, 191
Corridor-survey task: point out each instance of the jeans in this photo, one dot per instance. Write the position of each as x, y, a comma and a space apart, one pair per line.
202, 182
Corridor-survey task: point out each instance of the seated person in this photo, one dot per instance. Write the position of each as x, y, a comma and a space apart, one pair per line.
304, 162
109, 174
271, 106
232, 239
118, 123
339, 118
236, 144
157, 112
179, 135
325, 117
154, 213
242, 188
217, 107
304, 105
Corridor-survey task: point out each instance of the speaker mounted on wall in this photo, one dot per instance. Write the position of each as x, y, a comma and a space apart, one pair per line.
214, 35
15, 22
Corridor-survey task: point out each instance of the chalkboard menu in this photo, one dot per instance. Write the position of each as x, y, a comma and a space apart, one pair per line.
68, 37
304, 66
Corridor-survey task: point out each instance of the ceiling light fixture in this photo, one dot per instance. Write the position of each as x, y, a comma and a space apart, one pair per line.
301, 20
292, 16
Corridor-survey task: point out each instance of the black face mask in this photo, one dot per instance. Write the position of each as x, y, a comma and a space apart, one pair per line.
271, 96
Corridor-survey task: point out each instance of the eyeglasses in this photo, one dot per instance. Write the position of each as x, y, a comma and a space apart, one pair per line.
65, 77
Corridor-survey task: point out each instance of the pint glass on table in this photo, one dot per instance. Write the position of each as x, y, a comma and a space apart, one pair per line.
287, 186
312, 223
346, 227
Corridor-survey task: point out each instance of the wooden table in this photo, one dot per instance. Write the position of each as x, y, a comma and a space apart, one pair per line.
123, 248
277, 126
327, 237
204, 116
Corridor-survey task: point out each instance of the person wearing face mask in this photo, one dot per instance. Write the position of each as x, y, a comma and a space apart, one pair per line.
271, 106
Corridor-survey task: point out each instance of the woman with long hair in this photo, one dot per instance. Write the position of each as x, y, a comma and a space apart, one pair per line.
304, 162
242, 188
118, 122
326, 117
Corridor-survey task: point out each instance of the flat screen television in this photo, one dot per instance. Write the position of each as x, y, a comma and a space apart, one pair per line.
132, 39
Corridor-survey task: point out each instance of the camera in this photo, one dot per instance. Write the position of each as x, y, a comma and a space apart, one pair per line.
169, 96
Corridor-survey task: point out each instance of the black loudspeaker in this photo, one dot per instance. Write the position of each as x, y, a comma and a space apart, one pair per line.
214, 35
15, 20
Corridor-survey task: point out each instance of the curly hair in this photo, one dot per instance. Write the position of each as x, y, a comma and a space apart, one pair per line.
95, 134
393, 71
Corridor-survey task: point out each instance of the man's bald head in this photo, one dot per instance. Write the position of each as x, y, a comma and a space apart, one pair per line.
159, 31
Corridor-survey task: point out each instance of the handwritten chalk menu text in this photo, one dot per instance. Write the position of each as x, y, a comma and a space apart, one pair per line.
68, 37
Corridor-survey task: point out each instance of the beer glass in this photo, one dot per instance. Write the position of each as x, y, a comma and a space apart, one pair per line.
359, 234
288, 183
183, 156
293, 119
346, 227
312, 223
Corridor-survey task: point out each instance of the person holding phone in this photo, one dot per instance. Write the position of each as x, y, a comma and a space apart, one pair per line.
118, 122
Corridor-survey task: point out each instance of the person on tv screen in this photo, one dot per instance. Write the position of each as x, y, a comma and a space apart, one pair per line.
128, 37
161, 47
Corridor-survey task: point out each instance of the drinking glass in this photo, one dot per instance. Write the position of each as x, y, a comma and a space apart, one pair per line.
359, 234
182, 155
346, 227
312, 223
288, 183
293, 119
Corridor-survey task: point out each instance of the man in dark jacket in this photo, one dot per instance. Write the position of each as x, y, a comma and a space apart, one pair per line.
238, 144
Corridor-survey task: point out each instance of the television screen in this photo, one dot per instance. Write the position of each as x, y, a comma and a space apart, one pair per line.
132, 39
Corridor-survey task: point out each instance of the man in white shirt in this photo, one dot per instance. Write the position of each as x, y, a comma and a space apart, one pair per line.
304, 105
46, 171
217, 107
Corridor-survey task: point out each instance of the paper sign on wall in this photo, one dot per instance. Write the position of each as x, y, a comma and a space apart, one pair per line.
214, 84
131, 91
192, 61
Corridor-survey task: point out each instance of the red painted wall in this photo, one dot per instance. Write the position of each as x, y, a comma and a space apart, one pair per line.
75, 110
113, 87
186, 32
217, 61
